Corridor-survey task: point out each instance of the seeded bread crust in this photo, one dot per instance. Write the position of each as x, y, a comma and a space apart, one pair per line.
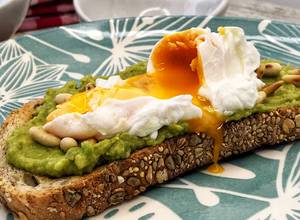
36, 197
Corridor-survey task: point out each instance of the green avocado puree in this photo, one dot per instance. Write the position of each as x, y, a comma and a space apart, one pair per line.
26, 154
288, 95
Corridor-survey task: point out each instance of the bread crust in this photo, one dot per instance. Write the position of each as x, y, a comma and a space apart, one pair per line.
90, 194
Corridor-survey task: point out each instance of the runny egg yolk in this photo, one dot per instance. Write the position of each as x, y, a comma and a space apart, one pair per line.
177, 70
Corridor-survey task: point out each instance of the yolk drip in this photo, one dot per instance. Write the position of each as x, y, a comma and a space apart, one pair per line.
177, 70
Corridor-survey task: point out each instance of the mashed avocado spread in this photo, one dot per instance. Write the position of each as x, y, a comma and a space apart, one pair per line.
26, 154
288, 95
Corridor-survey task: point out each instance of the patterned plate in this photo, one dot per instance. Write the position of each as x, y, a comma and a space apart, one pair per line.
262, 185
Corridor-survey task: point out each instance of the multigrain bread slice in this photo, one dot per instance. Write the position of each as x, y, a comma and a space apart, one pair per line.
36, 197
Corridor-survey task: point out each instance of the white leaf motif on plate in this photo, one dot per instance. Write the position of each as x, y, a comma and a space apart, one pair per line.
287, 203
49, 71
9, 50
21, 79
17, 72
92, 34
137, 208
203, 194
130, 42
232, 171
262, 214
81, 58
270, 154
73, 75
281, 41
34, 90
206, 197
95, 35
76, 56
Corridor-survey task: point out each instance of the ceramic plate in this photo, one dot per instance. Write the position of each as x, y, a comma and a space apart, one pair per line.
261, 185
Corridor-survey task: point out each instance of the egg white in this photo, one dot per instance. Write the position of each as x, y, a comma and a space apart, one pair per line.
228, 63
139, 116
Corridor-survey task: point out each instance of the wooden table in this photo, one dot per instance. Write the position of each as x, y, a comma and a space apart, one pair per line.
265, 9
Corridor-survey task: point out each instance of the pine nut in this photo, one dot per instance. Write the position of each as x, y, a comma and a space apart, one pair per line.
294, 79
261, 97
294, 71
39, 135
62, 97
272, 69
260, 71
91, 140
67, 143
270, 89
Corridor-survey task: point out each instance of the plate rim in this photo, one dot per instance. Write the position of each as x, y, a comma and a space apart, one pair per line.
219, 18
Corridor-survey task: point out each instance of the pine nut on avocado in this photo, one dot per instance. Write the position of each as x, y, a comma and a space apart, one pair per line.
67, 143
62, 97
272, 69
39, 135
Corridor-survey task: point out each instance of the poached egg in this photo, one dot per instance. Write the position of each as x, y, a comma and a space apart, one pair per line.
195, 75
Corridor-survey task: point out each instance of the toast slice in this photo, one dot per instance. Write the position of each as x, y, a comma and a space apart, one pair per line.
37, 197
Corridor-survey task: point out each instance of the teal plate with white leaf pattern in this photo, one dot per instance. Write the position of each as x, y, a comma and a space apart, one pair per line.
262, 185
